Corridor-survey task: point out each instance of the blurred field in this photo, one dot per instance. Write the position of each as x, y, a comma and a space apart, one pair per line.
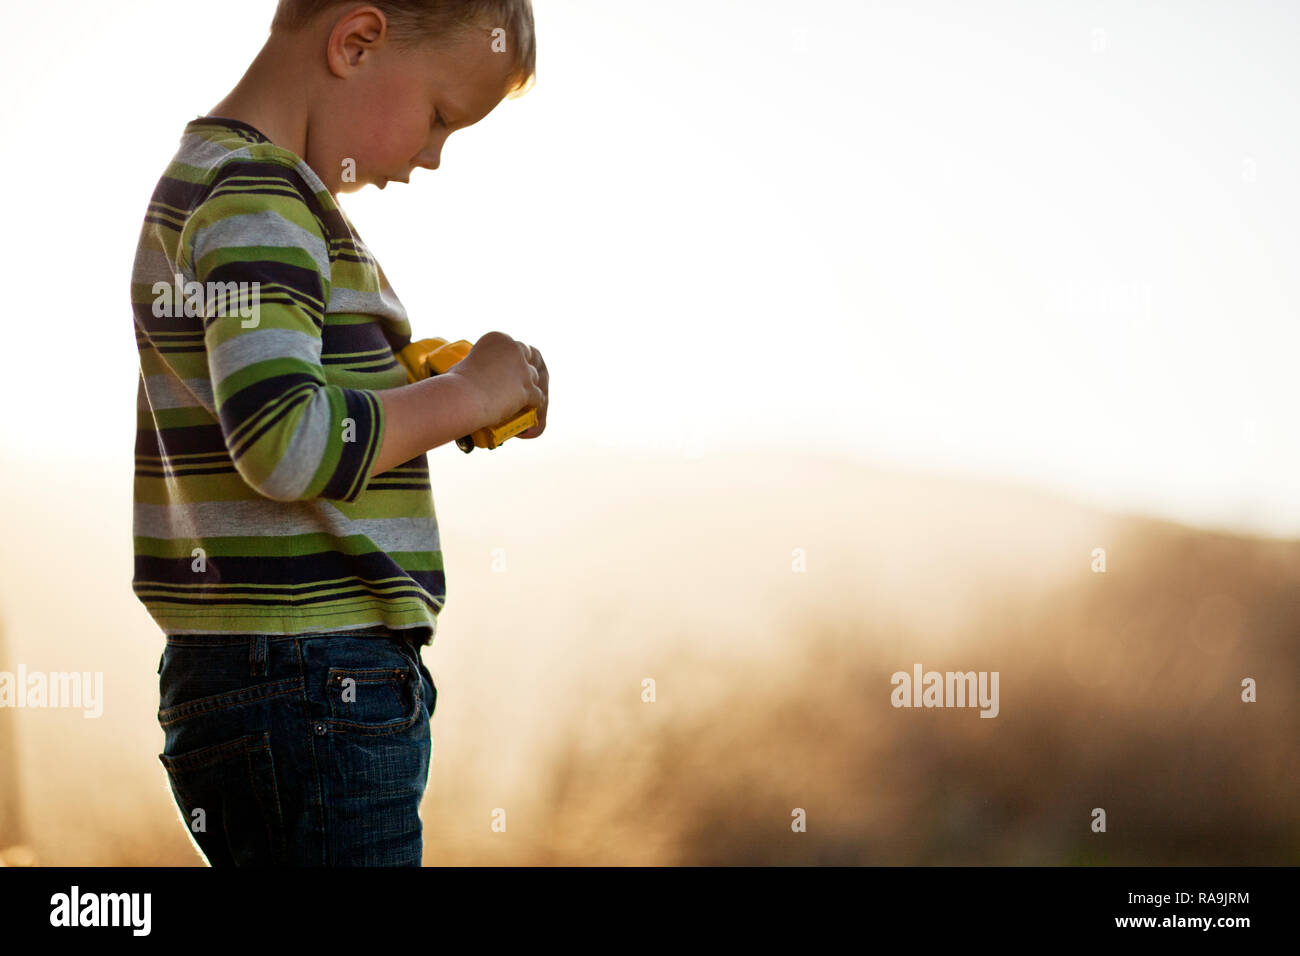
1118, 690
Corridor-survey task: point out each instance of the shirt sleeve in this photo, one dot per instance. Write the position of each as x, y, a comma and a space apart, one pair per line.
261, 255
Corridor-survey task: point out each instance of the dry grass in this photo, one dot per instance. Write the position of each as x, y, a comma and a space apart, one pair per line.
1118, 690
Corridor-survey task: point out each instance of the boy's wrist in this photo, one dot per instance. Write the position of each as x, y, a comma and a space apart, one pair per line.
467, 398
424, 415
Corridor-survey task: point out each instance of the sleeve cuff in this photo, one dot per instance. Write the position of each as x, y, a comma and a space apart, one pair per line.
354, 444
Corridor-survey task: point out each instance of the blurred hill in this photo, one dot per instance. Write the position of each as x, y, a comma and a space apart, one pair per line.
573, 580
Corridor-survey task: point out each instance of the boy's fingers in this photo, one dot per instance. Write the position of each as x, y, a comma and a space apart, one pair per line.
538, 363
541, 383
540, 401
543, 376
539, 391
535, 430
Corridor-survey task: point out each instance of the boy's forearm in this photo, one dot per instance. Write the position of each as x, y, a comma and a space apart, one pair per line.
424, 415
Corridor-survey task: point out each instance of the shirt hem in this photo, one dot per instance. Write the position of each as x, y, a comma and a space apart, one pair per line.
201, 620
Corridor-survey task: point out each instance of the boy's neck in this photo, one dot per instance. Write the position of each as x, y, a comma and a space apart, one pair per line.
270, 98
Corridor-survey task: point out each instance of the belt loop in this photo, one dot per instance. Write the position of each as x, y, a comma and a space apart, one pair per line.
257, 656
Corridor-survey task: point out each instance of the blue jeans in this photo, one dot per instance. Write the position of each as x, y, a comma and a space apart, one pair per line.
298, 750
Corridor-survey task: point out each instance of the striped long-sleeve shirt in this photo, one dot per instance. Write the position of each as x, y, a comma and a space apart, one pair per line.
264, 328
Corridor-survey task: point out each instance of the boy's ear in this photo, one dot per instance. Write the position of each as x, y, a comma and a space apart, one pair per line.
353, 38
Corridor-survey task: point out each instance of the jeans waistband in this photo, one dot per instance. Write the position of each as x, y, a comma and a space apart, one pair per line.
259, 645
412, 635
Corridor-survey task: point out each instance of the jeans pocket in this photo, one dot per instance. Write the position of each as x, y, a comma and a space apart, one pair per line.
230, 800
367, 685
430, 689
373, 700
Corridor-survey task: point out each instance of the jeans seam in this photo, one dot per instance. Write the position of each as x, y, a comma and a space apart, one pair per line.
313, 742
219, 702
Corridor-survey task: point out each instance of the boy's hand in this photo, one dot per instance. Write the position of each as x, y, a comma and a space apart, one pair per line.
505, 376
544, 383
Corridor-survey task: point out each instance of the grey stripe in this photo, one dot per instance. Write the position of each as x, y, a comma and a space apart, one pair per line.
204, 154
265, 228
383, 303
309, 176
250, 346
168, 391
214, 519
152, 265
301, 459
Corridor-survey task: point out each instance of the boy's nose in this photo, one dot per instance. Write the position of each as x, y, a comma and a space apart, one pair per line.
430, 157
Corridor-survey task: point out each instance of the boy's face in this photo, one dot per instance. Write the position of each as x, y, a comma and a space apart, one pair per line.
397, 107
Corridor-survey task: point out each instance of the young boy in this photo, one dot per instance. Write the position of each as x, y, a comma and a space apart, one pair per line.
285, 535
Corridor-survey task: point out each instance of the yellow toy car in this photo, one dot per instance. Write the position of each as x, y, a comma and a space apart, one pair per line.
434, 356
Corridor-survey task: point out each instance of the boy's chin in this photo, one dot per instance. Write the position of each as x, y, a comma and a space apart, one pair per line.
357, 185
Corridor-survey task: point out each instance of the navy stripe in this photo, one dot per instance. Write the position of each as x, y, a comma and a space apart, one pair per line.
288, 574
357, 456
209, 598
245, 404
367, 337
188, 440
242, 442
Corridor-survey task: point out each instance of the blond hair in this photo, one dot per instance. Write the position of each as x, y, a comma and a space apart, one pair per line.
413, 22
